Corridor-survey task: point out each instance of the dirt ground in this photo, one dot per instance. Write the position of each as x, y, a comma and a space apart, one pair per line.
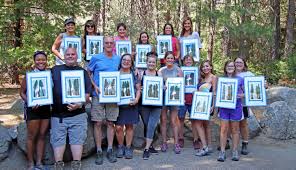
265, 153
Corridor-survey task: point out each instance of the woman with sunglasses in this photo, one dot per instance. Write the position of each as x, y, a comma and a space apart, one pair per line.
58, 46
37, 118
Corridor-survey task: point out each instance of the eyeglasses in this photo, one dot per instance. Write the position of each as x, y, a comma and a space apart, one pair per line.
90, 26
125, 60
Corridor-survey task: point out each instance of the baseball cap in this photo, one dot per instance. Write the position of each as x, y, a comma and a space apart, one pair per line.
69, 20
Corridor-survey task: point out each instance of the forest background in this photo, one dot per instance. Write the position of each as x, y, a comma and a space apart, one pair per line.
261, 31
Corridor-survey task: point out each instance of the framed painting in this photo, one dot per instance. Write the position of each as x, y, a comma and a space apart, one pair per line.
39, 88
226, 92
190, 75
73, 88
152, 91
141, 51
109, 87
123, 47
174, 94
127, 91
164, 44
74, 43
255, 93
190, 47
94, 45
201, 105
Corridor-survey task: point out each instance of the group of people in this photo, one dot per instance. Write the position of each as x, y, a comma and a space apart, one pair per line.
71, 119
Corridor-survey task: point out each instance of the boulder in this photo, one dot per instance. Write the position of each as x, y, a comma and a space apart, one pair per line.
254, 126
280, 121
5, 142
139, 139
282, 94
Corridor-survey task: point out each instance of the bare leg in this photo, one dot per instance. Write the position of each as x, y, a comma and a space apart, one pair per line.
235, 134
59, 153
110, 133
129, 134
98, 134
32, 128
76, 152
119, 134
41, 140
223, 134
163, 122
208, 132
181, 128
175, 124
244, 130
194, 130
201, 132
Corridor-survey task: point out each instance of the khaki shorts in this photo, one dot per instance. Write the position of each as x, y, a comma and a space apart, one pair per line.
102, 111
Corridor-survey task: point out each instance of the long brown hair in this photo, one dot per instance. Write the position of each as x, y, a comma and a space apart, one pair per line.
202, 74
183, 29
245, 63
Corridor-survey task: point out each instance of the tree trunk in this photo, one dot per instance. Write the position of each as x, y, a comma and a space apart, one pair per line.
198, 17
212, 30
225, 33
244, 43
277, 29
290, 28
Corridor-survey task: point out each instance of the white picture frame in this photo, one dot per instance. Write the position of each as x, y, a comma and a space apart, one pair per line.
127, 91
152, 93
123, 47
73, 86
142, 50
226, 95
255, 92
39, 88
190, 75
164, 44
74, 42
201, 105
109, 87
94, 46
190, 46
174, 94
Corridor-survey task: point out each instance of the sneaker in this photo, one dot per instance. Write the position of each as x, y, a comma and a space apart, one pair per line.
196, 144
129, 153
226, 147
235, 156
76, 165
99, 159
120, 151
39, 167
111, 156
202, 152
146, 154
164, 147
181, 142
177, 149
244, 150
59, 165
222, 156
153, 150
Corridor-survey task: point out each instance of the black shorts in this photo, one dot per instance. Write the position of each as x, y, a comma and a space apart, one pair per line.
246, 112
42, 112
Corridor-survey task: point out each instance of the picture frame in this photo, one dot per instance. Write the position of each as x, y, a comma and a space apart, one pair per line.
201, 105
73, 87
94, 45
109, 87
127, 91
190, 46
164, 44
152, 93
73, 42
39, 88
142, 50
190, 75
174, 94
226, 95
123, 47
255, 92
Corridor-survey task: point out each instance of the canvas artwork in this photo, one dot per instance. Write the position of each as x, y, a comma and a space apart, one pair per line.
73, 87
255, 93
201, 105
164, 44
39, 88
73, 43
175, 91
123, 47
190, 75
190, 47
110, 87
152, 90
226, 92
141, 51
94, 45
127, 91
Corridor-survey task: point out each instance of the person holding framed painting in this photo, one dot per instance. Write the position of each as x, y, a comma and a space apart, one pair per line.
37, 117
58, 46
121, 34
170, 70
208, 83
231, 118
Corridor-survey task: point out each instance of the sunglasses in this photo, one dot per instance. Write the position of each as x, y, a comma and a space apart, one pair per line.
39, 52
90, 26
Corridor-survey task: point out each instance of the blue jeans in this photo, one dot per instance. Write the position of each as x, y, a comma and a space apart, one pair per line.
150, 116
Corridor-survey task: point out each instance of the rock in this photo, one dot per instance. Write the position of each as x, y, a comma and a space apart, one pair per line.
254, 126
5, 142
280, 121
139, 139
12, 132
282, 94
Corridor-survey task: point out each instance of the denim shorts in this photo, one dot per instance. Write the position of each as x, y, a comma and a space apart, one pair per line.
183, 110
75, 127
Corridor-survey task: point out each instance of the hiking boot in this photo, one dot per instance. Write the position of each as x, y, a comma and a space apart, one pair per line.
99, 159
235, 156
202, 152
111, 156
181, 142
164, 147
120, 151
129, 153
76, 165
244, 150
177, 149
146, 154
153, 150
59, 165
222, 156
226, 147
196, 144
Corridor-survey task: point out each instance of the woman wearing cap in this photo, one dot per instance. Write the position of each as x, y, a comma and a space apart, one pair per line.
37, 117
58, 45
